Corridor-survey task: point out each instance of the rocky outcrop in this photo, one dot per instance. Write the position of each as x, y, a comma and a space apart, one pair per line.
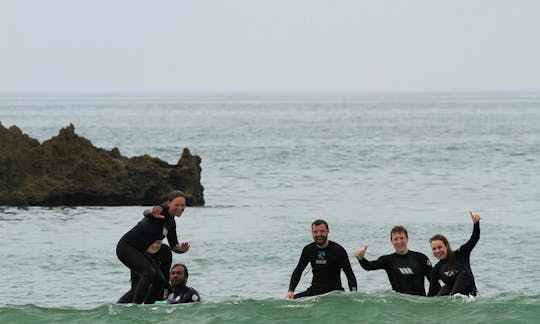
67, 170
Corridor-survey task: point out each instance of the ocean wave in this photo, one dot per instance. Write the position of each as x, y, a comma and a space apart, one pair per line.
337, 307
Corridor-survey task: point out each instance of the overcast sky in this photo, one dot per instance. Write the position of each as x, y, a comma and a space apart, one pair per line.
269, 46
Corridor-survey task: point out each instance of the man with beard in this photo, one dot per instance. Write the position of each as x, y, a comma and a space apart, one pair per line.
405, 269
327, 259
180, 292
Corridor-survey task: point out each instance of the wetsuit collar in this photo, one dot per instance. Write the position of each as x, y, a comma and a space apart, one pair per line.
325, 244
179, 288
403, 253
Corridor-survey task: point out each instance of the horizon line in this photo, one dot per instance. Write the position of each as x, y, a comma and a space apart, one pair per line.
248, 93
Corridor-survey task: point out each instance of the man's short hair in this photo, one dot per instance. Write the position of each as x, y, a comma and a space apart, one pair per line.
399, 229
186, 273
319, 222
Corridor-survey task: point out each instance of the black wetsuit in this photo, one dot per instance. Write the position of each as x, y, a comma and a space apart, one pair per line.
132, 247
183, 294
405, 272
161, 262
326, 264
460, 279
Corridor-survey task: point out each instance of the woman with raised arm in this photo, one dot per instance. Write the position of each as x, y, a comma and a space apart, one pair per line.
454, 267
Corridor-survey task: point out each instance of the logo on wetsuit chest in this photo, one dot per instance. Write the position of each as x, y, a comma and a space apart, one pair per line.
450, 273
320, 257
406, 271
165, 231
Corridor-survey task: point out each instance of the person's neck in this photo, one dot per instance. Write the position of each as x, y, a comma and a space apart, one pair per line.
325, 244
403, 253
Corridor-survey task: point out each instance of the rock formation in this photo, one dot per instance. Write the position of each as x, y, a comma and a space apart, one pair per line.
67, 170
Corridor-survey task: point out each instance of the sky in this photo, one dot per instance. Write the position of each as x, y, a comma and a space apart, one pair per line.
175, 46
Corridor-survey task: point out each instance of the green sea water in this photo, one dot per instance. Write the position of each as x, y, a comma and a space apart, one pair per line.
334, 308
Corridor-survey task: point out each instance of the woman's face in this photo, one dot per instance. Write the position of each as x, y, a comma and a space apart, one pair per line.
177, 206
440, 251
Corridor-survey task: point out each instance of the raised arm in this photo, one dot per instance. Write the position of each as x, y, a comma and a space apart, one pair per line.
364, 263
154, 212
475, 236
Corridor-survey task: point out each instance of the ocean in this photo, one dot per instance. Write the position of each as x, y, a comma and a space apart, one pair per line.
271, 164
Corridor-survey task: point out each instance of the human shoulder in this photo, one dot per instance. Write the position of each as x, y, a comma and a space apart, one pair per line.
335, 248
420, 258
309, 247
193, 295
335, 245
386, 257
417, 254
438, 265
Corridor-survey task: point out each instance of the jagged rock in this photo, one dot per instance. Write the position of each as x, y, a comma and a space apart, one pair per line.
67, 170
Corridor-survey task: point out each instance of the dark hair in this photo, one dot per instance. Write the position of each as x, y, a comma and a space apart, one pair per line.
440, 237
186, 273
319, 222
398, 229
450, 259
175, 194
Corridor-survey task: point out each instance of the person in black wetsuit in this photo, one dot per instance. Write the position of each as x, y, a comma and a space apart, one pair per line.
181, 293
327, 258
405, 269
157, 224
161, 257
454, 267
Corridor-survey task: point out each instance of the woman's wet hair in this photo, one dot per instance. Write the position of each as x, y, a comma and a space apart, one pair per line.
175, 194
440, 237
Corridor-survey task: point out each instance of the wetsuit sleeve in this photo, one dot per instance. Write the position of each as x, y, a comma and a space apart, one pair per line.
171, 235
346, 265
148, 213
165, 261
434, 285
380, 263
297, 273
475, 236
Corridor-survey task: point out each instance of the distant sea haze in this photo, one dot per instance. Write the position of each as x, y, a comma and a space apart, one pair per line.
271, 164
